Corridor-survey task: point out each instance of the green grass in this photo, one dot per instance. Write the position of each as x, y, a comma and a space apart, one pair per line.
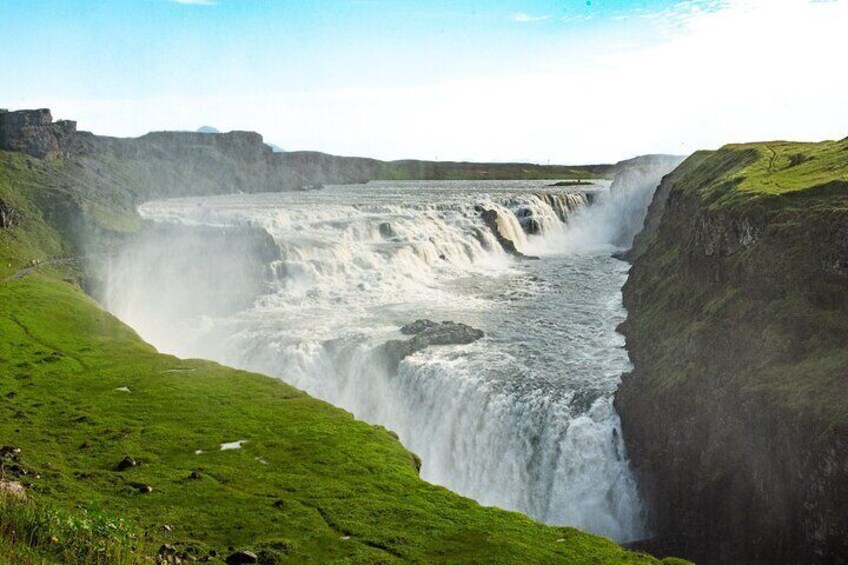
33, 533
308, 476
311, 483
447, 170
769, 168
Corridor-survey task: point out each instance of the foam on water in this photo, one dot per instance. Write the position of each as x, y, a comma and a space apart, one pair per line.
522, 419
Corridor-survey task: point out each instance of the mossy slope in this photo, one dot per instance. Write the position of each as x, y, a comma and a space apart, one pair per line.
311, 482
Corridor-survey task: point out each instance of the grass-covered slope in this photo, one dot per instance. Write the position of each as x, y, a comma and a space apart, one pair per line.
736, 415
79, 391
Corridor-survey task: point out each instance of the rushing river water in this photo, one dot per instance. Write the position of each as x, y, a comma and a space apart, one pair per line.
522, 419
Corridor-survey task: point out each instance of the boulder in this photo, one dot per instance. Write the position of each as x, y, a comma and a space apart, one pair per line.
126, 463
242, 557
417, 327
142, 488
13, 490
386, 230
427, 333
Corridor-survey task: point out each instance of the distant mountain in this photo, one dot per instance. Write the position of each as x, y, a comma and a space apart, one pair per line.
207, 129
275, 148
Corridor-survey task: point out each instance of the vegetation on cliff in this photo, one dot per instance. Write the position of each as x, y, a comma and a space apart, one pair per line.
736, 416
81, 392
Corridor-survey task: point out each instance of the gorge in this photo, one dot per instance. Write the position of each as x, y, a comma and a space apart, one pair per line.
723, 444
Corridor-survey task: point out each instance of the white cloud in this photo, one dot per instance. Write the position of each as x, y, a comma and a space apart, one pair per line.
523, 18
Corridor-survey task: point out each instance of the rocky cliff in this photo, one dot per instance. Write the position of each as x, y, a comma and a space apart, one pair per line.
736, 414
35, 133
162, 164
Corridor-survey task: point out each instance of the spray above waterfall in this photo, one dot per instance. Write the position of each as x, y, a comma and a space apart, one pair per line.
520, 419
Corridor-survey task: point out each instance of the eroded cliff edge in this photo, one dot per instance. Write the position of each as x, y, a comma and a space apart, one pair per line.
736, 414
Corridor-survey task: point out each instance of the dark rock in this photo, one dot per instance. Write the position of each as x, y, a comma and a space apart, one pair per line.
9, 217
446, 333
417, 327
10, 452
195, 475
484, 243
242, 557
386, 230
490, 217
126, 463
531, 226
168, 555
528, 221
167, 549
427, 333
142, 488
13, 469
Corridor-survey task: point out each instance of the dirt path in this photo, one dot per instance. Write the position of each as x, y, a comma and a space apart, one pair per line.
24, 272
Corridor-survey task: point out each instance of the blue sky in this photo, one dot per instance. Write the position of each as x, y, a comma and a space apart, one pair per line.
557, 80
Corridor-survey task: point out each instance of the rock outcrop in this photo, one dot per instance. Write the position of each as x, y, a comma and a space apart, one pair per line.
425, 334
8, 216
491, 219
735, 416
34, 132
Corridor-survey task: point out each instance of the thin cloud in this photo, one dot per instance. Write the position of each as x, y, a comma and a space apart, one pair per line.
523, 18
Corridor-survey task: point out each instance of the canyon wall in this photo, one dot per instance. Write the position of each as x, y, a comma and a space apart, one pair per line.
736, 414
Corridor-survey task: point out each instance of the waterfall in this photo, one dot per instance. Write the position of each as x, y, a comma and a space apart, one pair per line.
522, 419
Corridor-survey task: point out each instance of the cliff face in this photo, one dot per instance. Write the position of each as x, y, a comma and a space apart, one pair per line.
35, 133
736, 414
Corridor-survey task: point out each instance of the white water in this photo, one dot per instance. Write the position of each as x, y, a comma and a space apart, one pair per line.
522, 419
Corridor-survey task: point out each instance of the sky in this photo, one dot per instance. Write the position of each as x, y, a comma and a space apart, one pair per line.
546, 81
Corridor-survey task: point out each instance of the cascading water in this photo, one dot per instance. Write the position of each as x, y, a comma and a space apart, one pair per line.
522, 419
